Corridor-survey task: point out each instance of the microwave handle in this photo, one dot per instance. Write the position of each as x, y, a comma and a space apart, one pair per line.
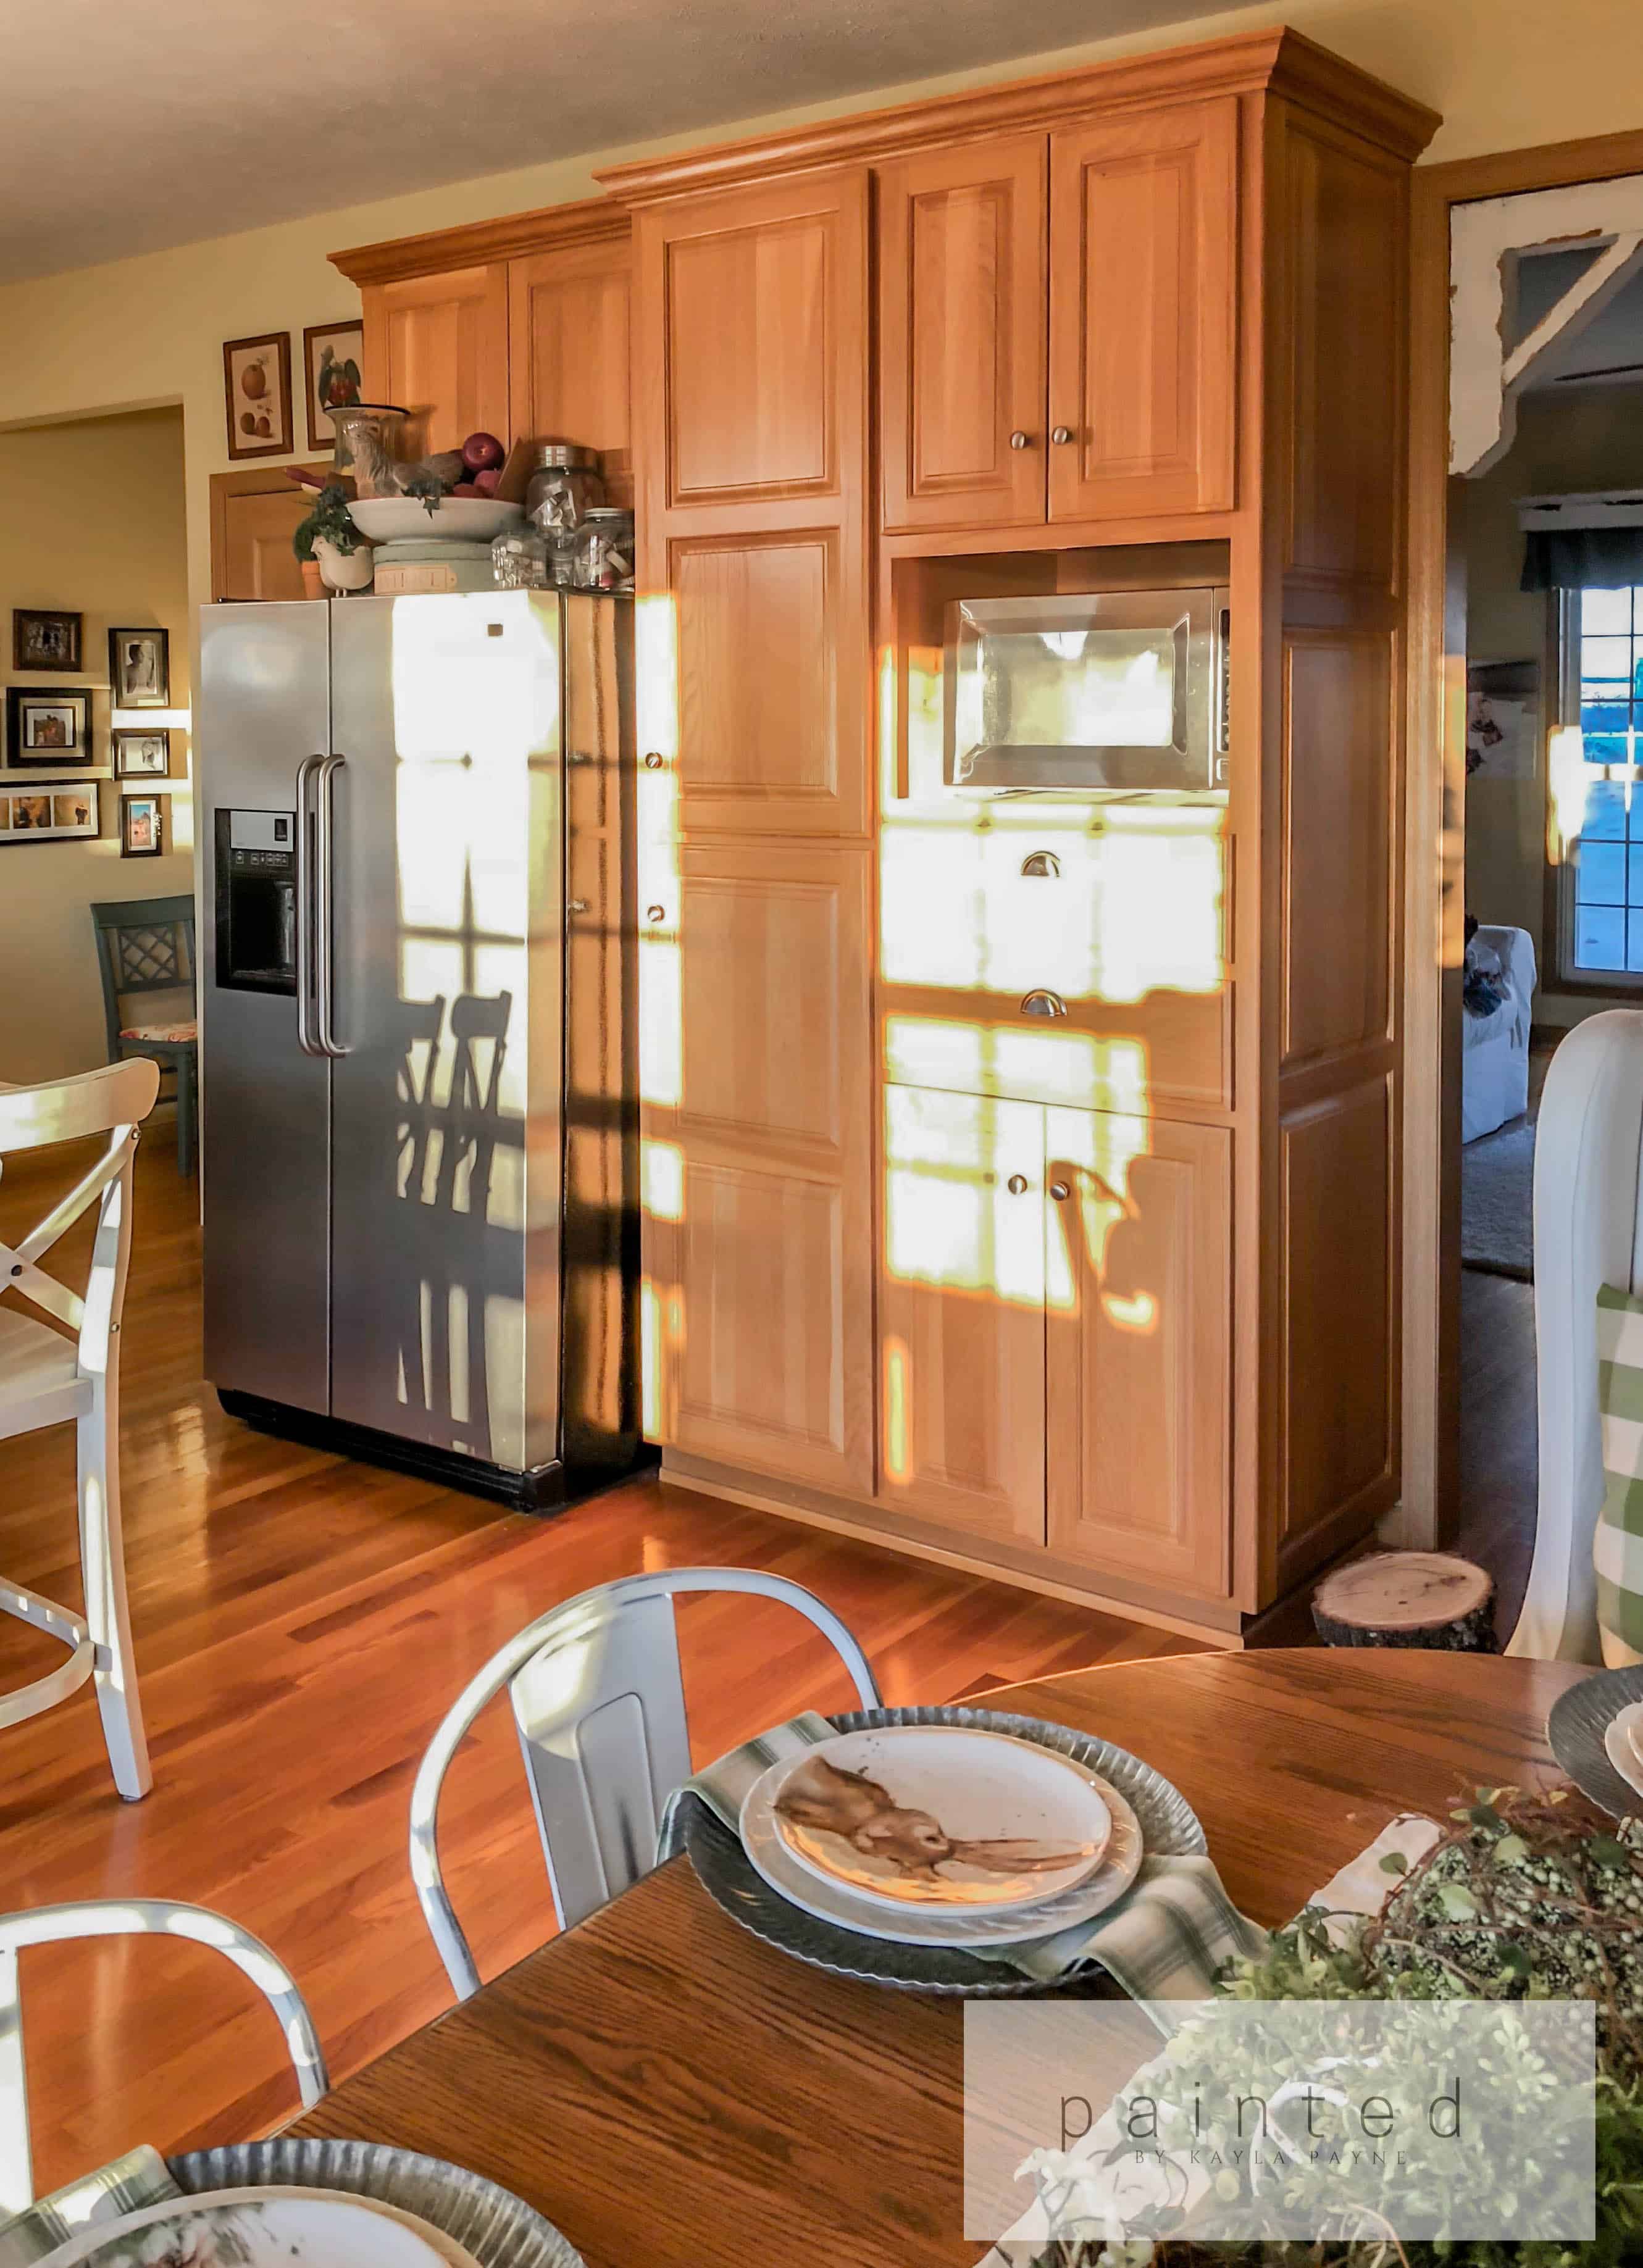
1221, 639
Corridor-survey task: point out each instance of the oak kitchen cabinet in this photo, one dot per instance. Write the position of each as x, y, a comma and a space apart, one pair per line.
515, 326
1054, 1359
1108, 1304
1058, 323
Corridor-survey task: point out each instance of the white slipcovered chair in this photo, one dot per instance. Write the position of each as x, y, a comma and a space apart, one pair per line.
1494, 1049
1588, 1232
48, 1379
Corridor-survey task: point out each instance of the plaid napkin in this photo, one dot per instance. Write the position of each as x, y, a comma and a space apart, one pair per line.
126, 2185
1163, 1940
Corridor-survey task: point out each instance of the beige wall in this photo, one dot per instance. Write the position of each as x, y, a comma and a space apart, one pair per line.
1591, 438
150, 330
91, 520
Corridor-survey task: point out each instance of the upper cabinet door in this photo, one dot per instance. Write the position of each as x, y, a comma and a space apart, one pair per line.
569, 354
438, 344
753, 344
750, 370
1143, 321
962, 335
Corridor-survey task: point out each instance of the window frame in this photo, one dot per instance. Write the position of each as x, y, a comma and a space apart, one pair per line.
1559, 972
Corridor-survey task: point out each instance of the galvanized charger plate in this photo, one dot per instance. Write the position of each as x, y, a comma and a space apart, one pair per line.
1575, 1728
499, 2229
1169, 1828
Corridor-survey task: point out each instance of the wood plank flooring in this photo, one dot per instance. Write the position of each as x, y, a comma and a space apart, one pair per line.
301, 1624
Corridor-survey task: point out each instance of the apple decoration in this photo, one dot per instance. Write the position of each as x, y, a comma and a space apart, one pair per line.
483, 453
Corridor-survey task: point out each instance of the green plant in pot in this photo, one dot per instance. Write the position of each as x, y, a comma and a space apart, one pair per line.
329, 539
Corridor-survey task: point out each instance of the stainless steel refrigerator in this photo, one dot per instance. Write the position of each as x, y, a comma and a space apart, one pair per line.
418, 1032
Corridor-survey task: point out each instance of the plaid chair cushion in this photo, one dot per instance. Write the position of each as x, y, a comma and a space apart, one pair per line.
1617, 1545
169, 1034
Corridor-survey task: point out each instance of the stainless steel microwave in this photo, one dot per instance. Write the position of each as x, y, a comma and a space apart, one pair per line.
1108, 692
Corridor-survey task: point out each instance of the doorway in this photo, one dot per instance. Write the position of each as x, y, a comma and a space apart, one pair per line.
1527, 416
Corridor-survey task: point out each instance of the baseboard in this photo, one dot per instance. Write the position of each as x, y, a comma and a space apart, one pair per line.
544, 1488
788, 1501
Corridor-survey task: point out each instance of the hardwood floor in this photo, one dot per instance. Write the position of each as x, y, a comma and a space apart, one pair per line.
1500, 1475
301, 1624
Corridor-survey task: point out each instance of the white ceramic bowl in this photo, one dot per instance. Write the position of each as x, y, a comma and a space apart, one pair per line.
399, 519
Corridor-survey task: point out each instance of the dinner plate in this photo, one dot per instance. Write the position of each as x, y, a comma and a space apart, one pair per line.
836, 1903
1168, 1824
262, 2228
1577, 1731
935, 1817
498, 2229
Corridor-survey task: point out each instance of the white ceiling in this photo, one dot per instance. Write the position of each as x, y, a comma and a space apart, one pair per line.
160, 125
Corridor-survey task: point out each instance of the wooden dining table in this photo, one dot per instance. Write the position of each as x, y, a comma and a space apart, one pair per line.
674, 2093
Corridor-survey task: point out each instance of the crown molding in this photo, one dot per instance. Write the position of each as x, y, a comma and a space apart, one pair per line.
1281, 61
590, 220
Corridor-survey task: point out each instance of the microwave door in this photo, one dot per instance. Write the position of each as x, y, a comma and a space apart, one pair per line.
1113, 693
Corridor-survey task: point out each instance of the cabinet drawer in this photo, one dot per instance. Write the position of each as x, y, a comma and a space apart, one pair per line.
1127, 933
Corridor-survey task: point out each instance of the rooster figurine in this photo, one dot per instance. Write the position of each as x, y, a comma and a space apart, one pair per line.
867, 1816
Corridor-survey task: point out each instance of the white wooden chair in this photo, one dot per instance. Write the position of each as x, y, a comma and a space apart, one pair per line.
48, 1379
1588, 1232
598, 1703
135, 1917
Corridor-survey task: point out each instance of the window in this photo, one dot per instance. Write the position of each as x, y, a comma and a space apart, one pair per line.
1602, 896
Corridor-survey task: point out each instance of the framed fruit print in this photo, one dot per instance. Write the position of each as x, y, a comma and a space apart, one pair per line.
256, 379
331, 357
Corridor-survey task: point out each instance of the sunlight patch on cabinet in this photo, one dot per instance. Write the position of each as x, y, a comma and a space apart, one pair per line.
950, 1215
1092, 1154
1080, 1069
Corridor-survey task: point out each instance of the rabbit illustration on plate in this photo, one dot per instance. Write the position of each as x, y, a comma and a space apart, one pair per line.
913, 1843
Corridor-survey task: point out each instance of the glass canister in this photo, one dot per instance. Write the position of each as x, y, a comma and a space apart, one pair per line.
367, 442
564, 486
603, 558
520, 559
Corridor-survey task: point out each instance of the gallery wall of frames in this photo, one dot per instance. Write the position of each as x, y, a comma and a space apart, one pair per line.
94, 747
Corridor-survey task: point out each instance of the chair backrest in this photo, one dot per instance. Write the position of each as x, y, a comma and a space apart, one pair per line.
1588, 1232
598, 1703
131, 1917
144, 944
114, 1101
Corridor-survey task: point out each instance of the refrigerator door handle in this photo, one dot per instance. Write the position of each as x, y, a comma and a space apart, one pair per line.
324, 958
305, 1037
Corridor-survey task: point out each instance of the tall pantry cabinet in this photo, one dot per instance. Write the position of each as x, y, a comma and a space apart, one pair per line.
1109, 1306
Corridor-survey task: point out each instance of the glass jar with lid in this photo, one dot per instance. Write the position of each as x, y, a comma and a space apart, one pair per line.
603, 557
564, 486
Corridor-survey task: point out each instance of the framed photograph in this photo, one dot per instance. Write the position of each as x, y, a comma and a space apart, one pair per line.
331, 357
41, 639
65, 811
140, 754
142, 826
256, 382
139, 667
48, 729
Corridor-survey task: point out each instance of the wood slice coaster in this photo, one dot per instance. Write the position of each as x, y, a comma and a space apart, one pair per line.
1410, 1599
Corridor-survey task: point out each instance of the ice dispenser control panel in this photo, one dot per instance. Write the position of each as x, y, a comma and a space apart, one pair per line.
256, 900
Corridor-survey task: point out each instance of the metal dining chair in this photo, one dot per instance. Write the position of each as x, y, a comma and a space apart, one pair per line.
146, 945
598, 1702
131, 1917
47, 1379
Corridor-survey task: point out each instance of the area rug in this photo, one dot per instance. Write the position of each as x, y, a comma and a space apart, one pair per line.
1498, 1202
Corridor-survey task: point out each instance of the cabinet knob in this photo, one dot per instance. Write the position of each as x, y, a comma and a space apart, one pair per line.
1017, 1185
1041, 861
652, 762
577, 906
1060, 1192
655, 913
1043, 1004
1019, 440
1061, 435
